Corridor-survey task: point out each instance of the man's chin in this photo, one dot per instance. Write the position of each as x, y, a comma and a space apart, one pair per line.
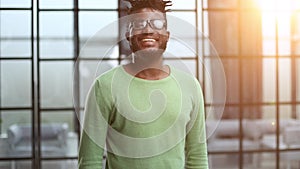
150, 51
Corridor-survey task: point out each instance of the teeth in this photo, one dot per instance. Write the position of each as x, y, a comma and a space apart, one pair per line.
148, 40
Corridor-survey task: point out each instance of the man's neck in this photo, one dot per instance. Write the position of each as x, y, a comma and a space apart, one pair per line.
154, 70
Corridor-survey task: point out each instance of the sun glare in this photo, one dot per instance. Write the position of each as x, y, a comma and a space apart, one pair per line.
276, 22
278, 5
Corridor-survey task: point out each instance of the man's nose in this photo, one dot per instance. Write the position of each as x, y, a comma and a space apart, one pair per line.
148, 28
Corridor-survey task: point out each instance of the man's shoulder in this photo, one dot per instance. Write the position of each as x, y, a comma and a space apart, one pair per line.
108, 75
187, 80
183, 75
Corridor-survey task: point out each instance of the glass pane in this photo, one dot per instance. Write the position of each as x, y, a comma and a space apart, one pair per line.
98, 34
231, 112
284, 47
296, 47
222, 161
5, 164
231, 68
9, 118
187, 17
56, 84
252, 82
290, 159
285, 112
296, 34
103, 4
201, 19
269, 47
289, 129
214, 84
268, 25
15, 48
182, 34
179, 48
56, 4
267, 127
223, 32
15, 28
56, 24
298, 112
269, 80
60, 138
182, 4
88, 71
266, 160
269, 112
223, 136
249, 4
59, 164
54, 117
253, 111
58, 48
92, 22
22, 164
285, 79
15, 24
99, 48
221, 3
297, 79
251, 134
15, 83
284, 24
260, 133
15, 4
252, 160
16, 133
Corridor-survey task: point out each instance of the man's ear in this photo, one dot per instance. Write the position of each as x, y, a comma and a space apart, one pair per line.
167, 35
127, 35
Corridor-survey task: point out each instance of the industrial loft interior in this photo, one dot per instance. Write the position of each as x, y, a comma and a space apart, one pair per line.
245, 53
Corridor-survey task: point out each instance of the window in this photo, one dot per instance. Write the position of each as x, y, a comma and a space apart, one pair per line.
52, 50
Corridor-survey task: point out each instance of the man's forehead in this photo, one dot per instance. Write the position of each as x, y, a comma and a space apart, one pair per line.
148, 15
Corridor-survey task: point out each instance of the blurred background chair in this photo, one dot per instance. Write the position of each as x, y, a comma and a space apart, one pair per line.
288, 139
53, 142
291, 138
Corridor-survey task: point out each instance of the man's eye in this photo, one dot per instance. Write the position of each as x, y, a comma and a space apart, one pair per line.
139, 24
158, 24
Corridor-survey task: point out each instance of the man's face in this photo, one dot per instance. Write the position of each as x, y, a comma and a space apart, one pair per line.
147, 32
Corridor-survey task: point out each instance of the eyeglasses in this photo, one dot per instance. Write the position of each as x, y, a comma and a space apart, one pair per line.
157, 24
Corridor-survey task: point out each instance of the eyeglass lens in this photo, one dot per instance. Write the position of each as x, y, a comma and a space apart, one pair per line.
155, 24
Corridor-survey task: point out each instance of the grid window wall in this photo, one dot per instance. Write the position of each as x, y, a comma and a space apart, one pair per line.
52, 50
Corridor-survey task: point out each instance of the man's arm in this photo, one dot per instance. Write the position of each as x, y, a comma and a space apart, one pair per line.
92, 141
196, 148
90, 154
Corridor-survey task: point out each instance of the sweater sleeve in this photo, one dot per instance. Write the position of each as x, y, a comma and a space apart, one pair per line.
196, 148
92, 141
90, 154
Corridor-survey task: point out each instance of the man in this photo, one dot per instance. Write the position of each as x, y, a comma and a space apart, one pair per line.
145, 115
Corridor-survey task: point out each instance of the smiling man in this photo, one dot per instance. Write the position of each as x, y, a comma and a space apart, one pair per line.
145, 114
148, 37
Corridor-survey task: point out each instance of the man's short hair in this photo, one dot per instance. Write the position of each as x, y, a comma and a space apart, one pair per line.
159, 5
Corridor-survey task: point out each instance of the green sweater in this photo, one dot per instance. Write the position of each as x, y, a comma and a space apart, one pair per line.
144, 124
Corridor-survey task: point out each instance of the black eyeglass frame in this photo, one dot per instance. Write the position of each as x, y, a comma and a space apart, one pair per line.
151, 22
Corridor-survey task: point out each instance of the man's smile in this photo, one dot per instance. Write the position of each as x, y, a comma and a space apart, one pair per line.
148, 40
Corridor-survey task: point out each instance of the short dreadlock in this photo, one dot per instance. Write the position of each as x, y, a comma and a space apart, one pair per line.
159, 5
